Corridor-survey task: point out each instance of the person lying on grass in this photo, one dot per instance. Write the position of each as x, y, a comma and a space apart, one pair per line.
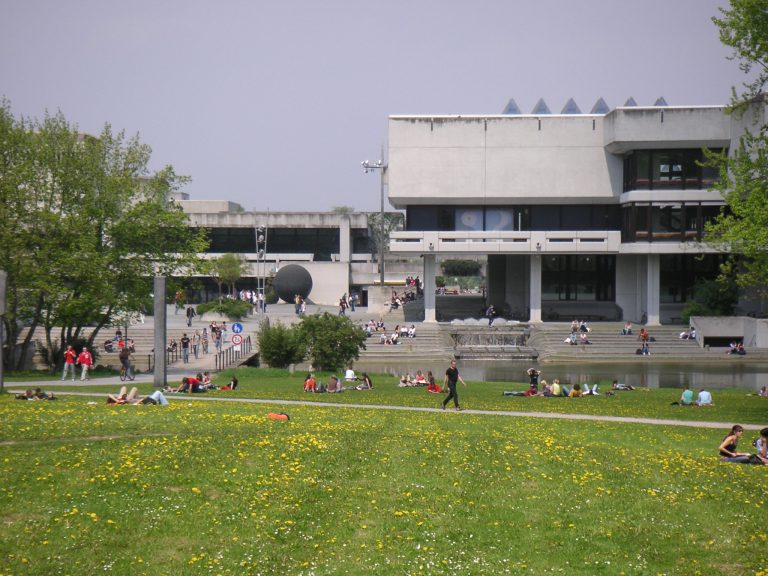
132, 398
189, 384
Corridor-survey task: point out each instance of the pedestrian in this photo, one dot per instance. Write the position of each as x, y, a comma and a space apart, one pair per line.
204, 340
490, 314
196, 339
190, 314
452, 378
185, 348
85, 360
70, 356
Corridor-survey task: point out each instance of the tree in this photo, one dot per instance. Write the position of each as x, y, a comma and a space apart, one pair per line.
743, 227
455, 267
392, 221
280, 346
228, 269
84, 227
331, 341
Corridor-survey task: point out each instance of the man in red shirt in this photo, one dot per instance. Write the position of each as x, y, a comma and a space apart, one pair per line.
69, 363
86, 361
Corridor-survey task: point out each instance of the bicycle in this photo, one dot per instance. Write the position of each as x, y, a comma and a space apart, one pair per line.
127, 373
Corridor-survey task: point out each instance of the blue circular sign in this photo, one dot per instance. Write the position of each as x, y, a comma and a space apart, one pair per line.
237, 327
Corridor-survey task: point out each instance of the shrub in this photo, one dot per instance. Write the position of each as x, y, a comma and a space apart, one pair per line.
440, 281
461, 267
331, 341
280, 346
234, 309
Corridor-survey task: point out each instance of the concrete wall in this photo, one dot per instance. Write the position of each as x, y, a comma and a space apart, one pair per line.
329, 281
752, 331
520, 159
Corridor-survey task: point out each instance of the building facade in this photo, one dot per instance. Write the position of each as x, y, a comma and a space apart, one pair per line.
579, 215
334, 248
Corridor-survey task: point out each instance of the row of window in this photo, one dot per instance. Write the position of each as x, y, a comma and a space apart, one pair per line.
638, 222
668, 169
593, 278
321, 242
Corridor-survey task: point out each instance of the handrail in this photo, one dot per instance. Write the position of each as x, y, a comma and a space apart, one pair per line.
233, 353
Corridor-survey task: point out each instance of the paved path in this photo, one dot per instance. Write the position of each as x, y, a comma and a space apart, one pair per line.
507, 413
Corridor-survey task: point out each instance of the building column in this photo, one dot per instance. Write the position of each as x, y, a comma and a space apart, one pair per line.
534, 301
652, 289
345, 245
429, 288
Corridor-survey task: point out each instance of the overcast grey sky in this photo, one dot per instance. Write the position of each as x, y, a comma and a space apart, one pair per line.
274, 104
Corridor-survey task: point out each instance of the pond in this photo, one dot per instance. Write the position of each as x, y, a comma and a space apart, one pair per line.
640, 374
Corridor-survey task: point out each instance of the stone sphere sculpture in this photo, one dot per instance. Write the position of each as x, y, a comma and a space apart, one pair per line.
291, 280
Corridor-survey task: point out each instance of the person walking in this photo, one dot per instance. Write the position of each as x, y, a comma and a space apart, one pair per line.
85, 359
185, 348
452, 378
70, 356
190, 314
196, 344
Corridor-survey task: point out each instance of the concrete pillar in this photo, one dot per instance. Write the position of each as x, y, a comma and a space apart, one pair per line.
653, 287
345, 244
535, 294
161, 370
429, 288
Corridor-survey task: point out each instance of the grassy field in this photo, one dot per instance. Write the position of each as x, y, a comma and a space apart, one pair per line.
731, 405
218, 488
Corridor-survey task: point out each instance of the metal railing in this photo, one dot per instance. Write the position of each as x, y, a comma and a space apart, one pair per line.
233, 353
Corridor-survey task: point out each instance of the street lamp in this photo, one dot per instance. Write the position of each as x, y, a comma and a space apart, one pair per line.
368, 167
261, 267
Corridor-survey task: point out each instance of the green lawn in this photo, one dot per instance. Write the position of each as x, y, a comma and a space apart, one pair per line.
217, 488
732, 405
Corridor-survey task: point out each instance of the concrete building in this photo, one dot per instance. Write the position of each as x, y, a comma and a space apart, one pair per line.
596, 215
334, 248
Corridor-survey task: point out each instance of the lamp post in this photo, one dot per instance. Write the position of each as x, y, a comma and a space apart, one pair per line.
368, 167
261, 281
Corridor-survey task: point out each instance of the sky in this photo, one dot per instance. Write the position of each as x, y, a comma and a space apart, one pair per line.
274, 104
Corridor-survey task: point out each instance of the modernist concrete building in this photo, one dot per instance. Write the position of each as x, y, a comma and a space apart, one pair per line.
334, 248
596, 215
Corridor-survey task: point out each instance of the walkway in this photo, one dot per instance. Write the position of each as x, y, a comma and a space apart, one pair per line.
507, 413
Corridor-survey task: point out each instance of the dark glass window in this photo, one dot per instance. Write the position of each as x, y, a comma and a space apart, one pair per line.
681, 273
666, 222
585, 278
231, 240
667, 169
320, 242
361, 241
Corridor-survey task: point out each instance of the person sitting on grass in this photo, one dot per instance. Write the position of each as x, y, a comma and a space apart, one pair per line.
546, 389
557, 391
310, 384
334, 385
420, 379
575, 391
431, 384
686, 398
366, 382
704, 398
349, 375
761, 443
405, 381
728, 448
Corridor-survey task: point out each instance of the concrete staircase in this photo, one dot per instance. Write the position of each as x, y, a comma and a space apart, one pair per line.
608, 344
432, 342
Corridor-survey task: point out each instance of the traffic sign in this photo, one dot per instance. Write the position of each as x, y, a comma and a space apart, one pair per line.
237, 339
237, 327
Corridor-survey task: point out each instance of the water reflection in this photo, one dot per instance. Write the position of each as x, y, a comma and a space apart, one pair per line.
639, 374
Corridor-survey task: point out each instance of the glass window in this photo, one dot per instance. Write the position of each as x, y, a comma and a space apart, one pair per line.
667, 169
499, 219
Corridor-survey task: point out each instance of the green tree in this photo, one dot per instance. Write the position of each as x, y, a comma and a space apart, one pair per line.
743, 227
281, 346
228, 269
85, 226
393, 221
331, 341
455, 267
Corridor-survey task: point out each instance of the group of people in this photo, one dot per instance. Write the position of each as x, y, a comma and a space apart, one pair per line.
117, 342
335, 385
406, 380
703, 398
400, 331
553, 390
36, 394
200, 383
347, 302
72, 359
579, 333
398, 300
737, 348
373, 326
